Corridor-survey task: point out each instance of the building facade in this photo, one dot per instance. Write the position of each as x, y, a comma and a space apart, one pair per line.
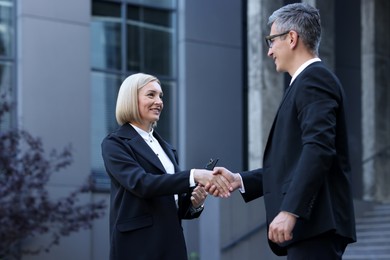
65, 60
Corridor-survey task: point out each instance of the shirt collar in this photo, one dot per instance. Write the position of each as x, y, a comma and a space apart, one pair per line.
145, 135
302, 67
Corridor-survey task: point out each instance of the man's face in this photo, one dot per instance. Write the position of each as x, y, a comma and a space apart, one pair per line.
279, 49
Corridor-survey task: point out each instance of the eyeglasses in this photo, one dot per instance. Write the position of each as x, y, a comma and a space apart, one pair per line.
269, 38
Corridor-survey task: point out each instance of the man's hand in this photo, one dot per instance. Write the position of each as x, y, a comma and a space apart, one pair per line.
280, 229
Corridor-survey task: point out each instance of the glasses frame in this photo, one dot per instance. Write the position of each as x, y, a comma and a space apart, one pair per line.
268, 39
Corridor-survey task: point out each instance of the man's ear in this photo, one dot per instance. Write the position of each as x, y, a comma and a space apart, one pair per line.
293, 39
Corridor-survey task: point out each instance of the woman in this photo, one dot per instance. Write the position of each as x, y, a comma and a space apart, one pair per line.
149, 195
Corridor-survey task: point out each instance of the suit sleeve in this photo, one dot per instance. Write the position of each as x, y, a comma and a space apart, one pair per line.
123, 167
184, 206
253, 183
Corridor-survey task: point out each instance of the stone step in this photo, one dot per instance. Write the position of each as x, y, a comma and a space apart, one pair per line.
377, 214
373, 235
382, 206
379, 210
378, 219
369, 248
363, 241
366, 257
370, 233
373, 226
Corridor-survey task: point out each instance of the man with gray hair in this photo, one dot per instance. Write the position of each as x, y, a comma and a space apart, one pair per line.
306, 174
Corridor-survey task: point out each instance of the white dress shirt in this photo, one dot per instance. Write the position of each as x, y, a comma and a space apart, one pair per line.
302, 67
159, 151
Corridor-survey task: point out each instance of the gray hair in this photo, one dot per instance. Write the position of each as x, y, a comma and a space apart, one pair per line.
302, 18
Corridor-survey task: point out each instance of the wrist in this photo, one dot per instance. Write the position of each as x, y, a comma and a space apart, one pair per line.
198, 176
197, 209
238, 180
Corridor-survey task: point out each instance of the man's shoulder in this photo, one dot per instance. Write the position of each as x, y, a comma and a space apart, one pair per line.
317, 65
318, 69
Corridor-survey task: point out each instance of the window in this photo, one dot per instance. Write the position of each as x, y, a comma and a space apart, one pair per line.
7, 55
129, 37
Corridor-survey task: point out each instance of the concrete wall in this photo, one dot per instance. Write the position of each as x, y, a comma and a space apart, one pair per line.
375, 63
53, 75
211, 106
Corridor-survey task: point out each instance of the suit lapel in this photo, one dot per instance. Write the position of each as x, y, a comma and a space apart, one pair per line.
139, 146
285, 95
168, 149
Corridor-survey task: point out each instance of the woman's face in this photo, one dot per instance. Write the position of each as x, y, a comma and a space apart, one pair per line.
150, 104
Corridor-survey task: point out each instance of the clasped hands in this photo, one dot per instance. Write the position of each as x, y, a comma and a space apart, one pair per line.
217, 183
221, 182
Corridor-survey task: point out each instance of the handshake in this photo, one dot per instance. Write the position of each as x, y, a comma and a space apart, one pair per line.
219, 182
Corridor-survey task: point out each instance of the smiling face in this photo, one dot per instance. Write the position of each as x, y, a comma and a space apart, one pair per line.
150, 104
279, 51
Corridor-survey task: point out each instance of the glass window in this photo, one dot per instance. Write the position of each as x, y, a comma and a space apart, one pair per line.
7, 57
155, 3
134, 37
150, 37
106, 36
7, 30
129, 36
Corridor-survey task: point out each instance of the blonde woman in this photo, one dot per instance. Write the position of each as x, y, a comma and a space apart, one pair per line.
149, 194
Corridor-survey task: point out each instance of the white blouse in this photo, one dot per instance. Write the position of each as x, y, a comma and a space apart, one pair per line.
157, 149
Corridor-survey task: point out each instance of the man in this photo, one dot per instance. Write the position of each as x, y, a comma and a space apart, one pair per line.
306, 176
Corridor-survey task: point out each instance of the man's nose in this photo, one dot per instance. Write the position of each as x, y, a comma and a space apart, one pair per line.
270, 52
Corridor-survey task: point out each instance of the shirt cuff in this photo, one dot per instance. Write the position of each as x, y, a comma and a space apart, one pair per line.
196, 210
192, 179
295, 215
242, 189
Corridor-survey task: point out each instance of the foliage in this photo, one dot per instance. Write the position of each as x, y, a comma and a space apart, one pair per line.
26, 210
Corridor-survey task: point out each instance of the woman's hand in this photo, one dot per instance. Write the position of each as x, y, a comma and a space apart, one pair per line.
198, 196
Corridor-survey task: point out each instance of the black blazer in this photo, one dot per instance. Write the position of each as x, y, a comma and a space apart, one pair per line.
306, 169
144, 220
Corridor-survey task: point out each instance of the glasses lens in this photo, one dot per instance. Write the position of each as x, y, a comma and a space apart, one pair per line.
269, 39
269, 42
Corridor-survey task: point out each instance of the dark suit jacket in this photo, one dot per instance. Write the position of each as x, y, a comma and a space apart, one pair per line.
306, 169
144, 220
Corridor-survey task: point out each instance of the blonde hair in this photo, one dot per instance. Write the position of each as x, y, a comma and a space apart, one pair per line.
127, 102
